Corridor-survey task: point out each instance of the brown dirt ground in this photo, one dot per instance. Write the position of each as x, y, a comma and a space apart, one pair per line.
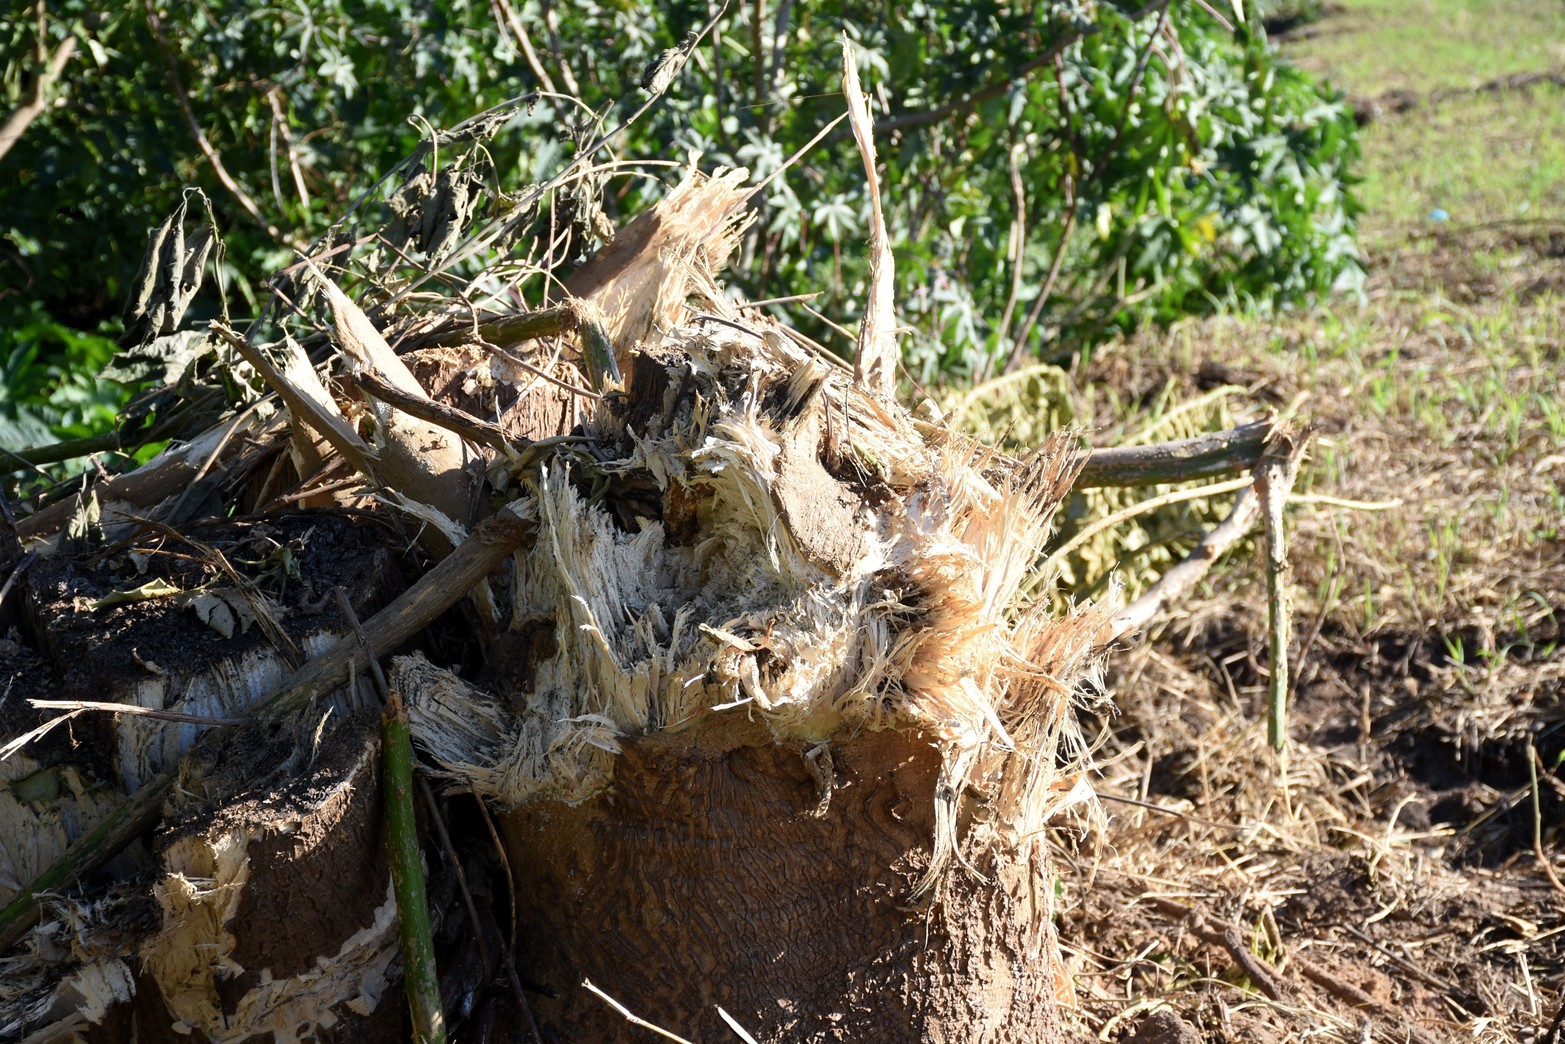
1405, 845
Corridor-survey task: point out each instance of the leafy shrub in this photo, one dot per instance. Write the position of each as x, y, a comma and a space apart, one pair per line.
1054, 170
48, 389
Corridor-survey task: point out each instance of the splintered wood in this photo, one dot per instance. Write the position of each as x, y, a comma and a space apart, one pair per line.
708, 572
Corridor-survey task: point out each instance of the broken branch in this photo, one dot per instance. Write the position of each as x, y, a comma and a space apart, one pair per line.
38, 98
427, 409
1175, 583
435, 592
1274, 477
1219, 453
123, 825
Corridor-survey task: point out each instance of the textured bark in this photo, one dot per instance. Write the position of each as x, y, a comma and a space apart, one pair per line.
702, 879
266, 903
284, 929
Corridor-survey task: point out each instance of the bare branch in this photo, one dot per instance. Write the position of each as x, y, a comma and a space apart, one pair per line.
38, 98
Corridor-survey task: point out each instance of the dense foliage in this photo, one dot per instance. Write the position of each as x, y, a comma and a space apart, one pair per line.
1054, 170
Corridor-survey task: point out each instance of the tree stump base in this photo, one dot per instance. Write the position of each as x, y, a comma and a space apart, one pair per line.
716, 872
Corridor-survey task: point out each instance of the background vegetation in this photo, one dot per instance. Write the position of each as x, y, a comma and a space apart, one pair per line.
1056, 171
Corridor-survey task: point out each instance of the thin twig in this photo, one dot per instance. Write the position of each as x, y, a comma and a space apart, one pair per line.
70, 449
1261, 974
491, 541
1323, 500
1154, 807
1533, 764
1017, 245
505, 861
496, 228
136, 711
517, 991
1074, 193
1174, 497
1172, 585
909, 120
507, 951
733, 1024
522, 364
781, 300
1214, 930
1019, 349
1403, 963
518, 30
16, 574
1552, 1034
449, 417
280, 121
631, 1016
790, 161
439, 822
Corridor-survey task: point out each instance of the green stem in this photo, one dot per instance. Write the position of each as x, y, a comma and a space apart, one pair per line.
407, 876
123, 825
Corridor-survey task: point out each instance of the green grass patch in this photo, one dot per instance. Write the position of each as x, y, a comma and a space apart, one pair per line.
1482, 158
1374, 46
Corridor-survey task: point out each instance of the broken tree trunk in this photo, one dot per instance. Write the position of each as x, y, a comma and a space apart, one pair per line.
743, 671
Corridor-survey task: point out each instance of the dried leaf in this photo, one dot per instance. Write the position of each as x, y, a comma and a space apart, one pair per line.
147, 592
446, 213
85, 528
222, 610
661, 71
170, 275
43, 785
165, 360
139, 304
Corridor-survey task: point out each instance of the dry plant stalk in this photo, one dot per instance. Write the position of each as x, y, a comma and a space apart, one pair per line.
875, 356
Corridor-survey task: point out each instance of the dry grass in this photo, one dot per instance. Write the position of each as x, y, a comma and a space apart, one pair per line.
1405, 846
1392, 846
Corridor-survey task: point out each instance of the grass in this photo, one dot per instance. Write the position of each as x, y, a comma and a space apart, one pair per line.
1374, 46
1482, 158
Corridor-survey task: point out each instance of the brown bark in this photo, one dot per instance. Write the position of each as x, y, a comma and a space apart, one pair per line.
702, 879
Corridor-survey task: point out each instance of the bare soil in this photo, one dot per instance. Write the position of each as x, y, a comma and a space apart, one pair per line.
1395, 868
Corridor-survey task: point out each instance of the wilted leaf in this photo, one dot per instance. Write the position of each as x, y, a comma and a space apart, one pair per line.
85, 528
149, 591
164, 361
445, 214
170, 275
214, 611
43, 785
